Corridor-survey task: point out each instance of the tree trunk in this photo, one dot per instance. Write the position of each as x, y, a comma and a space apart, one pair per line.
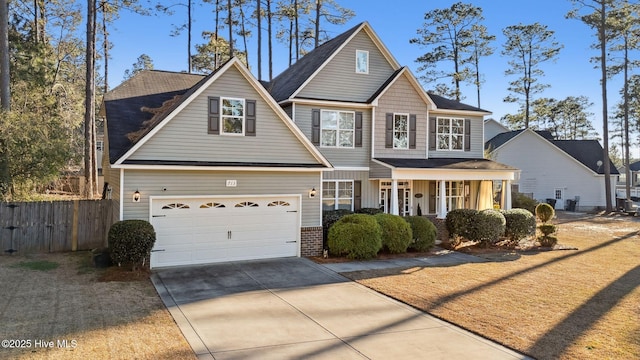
259, 16
217, 27
270, 40
5, 80
229, 9
105, 47
189, 36
89, 115
626, 117
605, 115
317, 39
297, 29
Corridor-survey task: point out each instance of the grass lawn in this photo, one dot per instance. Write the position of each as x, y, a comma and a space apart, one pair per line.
57, 306
568, 304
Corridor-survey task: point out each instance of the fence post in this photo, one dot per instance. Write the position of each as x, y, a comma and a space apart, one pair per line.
74, 232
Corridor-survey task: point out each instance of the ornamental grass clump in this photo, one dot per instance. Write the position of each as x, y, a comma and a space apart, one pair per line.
356, 236
396, 233
545, 212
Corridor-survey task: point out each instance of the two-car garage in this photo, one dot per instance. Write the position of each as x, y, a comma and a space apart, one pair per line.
207, 229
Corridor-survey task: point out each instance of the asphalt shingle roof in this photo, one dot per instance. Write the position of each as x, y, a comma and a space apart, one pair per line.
449, 104
446, 163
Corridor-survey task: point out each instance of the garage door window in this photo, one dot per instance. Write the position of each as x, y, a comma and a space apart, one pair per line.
337, 195
211, 205
247, 204
175, 206
279, 203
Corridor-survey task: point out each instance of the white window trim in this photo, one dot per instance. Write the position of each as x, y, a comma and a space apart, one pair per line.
449, 134
336, 196
358, 54
353, 130
394, 131
450, 198
222, 116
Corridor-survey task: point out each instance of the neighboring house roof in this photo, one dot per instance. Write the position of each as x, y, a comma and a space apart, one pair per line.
445, 163
586, 152
290, 80
502, 138
169, 104
148, 89
634, 166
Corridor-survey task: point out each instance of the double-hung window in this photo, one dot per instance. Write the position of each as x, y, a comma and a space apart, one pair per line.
337, 129
362, 62
400, 131
454, 194
450, 134
233, 116
337, 194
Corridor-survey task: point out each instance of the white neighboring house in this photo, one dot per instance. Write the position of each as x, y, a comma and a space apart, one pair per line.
492, 128
562, 170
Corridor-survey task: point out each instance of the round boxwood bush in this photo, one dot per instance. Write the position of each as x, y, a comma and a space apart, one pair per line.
487, 227
356, 236
369, 211
396, 233
424, 233
131, 241
520, 224
329, 218
459, 222
545, 212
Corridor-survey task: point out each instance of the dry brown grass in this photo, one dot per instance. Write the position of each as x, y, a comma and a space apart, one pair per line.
107, 320
571, 304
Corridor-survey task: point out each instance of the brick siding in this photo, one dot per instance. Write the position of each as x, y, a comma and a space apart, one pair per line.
311, 241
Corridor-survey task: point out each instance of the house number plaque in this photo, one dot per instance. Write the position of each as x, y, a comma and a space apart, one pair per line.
232, 183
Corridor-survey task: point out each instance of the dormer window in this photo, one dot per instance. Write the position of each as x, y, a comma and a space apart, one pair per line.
362, 62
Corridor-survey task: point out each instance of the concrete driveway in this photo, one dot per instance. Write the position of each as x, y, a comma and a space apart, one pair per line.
295, 309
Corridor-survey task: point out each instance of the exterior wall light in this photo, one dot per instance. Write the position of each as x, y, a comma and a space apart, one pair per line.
136, 196
312, 193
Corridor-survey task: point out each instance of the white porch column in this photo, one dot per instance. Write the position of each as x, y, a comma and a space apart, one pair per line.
394, 206
503, 195
442, 203
506, 188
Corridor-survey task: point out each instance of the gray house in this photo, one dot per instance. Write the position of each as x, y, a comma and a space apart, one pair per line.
228, 168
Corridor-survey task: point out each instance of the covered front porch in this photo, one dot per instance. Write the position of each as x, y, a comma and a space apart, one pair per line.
437, 186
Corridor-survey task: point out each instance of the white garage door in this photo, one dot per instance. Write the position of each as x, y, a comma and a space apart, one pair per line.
202, 230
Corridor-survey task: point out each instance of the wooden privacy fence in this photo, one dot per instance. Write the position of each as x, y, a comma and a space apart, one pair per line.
41, 227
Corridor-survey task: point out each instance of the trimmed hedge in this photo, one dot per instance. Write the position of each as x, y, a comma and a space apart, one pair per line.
545, 212
396, 233
369, 211
521, 201
131, 241
487, 227
424, 233
357, 236
520, 223
459, 222
328, 219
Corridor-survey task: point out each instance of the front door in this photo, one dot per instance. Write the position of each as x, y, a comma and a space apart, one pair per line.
559, 196
404, 197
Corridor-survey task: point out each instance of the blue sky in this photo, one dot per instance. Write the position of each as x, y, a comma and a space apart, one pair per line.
571, 75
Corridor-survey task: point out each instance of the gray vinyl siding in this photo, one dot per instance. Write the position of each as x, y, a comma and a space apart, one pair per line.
338, 80
477, 140
369, 192
185, 137
210, 183
357, 156
401, 98
377, 171
112, 177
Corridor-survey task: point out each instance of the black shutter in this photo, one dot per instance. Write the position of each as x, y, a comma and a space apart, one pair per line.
467, 134
432, 133
214, 115
358, 133
250, 118
412, 131
357, 195
388, 133
315, 126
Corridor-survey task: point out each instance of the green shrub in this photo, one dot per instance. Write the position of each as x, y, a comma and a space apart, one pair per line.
548, 241
396, 233
459, 222
545, 212
520, 224
424, 233
369, 211
131, 241
548, 229
358, 236
487, 227
328, 219
521, 201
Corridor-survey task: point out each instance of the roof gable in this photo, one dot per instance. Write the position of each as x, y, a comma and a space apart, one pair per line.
403, 71
294, 79
198, 114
